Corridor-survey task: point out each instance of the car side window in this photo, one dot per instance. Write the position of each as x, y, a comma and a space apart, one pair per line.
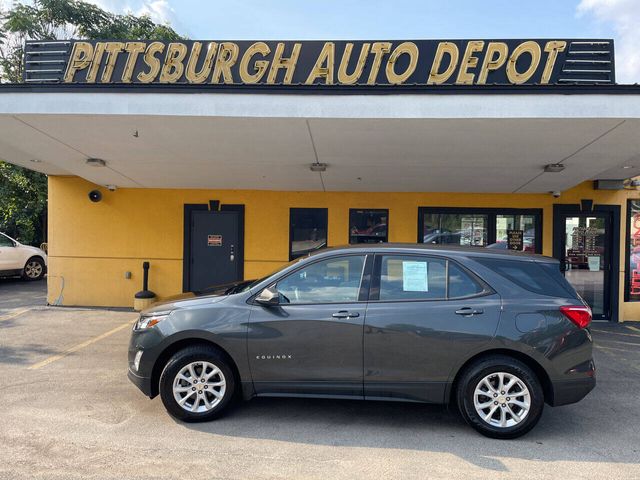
412, 278
335, 280
461, 284
5, 241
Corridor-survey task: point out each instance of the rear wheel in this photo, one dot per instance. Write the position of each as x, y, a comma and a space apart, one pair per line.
33, 269
197, 384
500, 397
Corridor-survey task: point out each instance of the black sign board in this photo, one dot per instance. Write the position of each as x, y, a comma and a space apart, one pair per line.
270, 64
515, 240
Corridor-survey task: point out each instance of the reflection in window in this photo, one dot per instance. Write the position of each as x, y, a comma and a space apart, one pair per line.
412, 278
526, 224
328, 281
455, 229
308, 231
368, 226
5, 241
461, 284
633, 249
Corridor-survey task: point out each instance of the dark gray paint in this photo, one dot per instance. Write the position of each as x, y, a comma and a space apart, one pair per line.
408, 350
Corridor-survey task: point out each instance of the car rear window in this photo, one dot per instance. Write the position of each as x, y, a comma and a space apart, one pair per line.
531, 276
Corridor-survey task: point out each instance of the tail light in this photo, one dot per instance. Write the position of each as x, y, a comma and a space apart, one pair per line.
581, 316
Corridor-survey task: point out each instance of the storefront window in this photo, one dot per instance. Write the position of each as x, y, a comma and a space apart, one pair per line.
496, 228
307, 231
455, 229
632, 287
368, 226
517, 232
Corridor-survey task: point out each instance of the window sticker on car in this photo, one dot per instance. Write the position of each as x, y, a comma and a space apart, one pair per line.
415, 276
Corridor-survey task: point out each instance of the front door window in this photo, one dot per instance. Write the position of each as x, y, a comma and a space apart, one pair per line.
329, 281
586, 259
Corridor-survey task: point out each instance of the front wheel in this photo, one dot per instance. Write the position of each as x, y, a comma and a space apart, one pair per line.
500, 397
197, 384
33, 269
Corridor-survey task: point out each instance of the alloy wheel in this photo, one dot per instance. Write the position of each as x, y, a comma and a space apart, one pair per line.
502, 399
199, 387
33, 269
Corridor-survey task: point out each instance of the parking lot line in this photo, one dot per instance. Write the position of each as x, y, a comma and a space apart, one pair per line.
634, 329
617, 333
14, 313
77, 347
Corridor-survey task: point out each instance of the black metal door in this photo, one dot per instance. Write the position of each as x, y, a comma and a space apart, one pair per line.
214, 249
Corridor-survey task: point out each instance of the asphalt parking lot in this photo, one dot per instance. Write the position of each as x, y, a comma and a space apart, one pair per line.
68, 411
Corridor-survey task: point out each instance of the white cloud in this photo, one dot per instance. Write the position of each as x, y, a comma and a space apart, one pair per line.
624, 16
160, 11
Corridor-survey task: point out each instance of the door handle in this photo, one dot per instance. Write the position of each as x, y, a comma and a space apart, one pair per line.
469, 312
345, 314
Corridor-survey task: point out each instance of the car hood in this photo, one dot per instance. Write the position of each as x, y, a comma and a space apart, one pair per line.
34, 250
207, 296
182, 301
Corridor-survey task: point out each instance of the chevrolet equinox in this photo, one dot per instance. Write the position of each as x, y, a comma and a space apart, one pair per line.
498, 334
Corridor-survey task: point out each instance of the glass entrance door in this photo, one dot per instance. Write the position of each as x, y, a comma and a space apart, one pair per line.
586, 259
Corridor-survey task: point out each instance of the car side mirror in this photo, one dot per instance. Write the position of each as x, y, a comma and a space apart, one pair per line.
268, 297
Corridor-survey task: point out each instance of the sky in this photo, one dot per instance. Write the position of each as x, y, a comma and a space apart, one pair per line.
402, 19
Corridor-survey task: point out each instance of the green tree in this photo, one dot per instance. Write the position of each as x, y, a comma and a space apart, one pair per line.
23, 203
65, 19
23, 193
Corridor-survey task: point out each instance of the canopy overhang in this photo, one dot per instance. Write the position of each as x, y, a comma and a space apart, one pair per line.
394, 142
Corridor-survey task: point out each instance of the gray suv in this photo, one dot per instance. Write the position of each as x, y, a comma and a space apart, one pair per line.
498, 334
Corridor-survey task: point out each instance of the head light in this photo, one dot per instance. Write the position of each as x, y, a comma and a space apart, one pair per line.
148, 320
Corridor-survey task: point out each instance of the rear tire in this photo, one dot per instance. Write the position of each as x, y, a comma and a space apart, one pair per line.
500, 397
33, 269
197, 384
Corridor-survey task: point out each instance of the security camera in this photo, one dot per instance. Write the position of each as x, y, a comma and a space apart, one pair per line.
111, 188
95, 196
556, 194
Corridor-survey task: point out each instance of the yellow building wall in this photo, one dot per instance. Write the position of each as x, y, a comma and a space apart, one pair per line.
92, 245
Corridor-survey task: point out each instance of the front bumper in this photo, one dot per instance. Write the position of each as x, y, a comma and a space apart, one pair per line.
143, 383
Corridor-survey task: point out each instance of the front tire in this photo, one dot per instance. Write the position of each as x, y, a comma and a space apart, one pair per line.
500, 397
34, 269
197, 384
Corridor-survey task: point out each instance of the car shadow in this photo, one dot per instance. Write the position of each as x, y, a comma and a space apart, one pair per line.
571, 433
407, 426
24, 354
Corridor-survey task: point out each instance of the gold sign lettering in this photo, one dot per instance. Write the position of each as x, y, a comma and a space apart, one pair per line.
81, 57
289, 64
327, 56
259, 66
113, 49
200, 76
491, 61
469, 61
349, 79
473, 62
518, 78
95, 63
152, 62
227, 56
444, 48
406, 48
133, 49
379, 49
552, 48
173, 66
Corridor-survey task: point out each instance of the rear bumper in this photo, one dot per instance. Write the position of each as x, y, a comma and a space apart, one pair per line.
572, 391
143, 383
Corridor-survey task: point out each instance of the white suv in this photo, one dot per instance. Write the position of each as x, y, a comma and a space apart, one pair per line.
18, 259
